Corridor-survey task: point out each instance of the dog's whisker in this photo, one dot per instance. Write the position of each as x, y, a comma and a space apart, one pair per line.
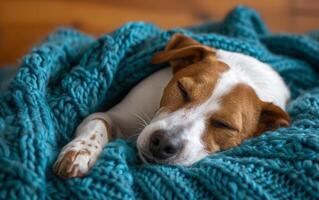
141, 119
132, 136
147, 117
139, 128
141, 124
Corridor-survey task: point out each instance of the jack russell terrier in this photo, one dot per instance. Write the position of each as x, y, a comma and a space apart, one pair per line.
209, 100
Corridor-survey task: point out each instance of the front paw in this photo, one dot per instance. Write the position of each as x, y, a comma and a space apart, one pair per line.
72, 163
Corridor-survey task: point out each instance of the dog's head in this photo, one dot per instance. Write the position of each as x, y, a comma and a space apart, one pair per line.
204, 108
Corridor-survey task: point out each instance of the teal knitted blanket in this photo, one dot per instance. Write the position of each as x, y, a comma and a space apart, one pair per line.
71, 75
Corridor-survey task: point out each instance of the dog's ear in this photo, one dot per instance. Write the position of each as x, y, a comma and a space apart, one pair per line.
271, 118
182, 51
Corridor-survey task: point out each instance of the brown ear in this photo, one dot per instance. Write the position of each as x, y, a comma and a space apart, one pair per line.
272, 117
182, 51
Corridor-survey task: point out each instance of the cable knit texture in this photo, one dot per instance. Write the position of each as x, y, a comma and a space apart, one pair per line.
71, 75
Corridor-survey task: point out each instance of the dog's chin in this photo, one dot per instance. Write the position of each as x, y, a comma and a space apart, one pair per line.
147, 159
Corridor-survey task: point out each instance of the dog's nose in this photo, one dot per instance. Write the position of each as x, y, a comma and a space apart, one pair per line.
162, 146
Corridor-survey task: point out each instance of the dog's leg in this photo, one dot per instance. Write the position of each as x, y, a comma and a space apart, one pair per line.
78, 156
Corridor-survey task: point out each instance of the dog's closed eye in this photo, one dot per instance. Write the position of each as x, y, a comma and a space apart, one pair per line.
222, 125
183, 92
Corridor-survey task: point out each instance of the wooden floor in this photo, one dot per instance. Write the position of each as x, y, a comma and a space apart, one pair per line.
24, 23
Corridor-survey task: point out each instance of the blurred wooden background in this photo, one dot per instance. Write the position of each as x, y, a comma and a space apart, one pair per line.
25, 22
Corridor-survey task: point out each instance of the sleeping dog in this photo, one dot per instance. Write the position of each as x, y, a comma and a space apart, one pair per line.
206, 101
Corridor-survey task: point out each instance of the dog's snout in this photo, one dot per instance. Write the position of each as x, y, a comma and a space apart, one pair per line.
162, 146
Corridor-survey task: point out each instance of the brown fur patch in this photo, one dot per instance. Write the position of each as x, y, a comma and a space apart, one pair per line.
182, 51
271, 118
66, 168
240, 109
93, 137
196, 70
199, 81
244, 112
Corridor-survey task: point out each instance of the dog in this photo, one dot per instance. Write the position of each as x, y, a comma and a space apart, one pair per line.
208, 100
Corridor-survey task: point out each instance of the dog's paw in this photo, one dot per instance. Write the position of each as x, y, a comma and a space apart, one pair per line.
75, 161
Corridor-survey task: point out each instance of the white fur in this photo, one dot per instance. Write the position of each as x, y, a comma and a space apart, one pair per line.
268, 85
143, 102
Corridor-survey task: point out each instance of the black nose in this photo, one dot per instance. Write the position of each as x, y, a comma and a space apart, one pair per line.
162, 146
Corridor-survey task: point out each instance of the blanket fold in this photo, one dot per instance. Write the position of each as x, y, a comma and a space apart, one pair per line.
71, 75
